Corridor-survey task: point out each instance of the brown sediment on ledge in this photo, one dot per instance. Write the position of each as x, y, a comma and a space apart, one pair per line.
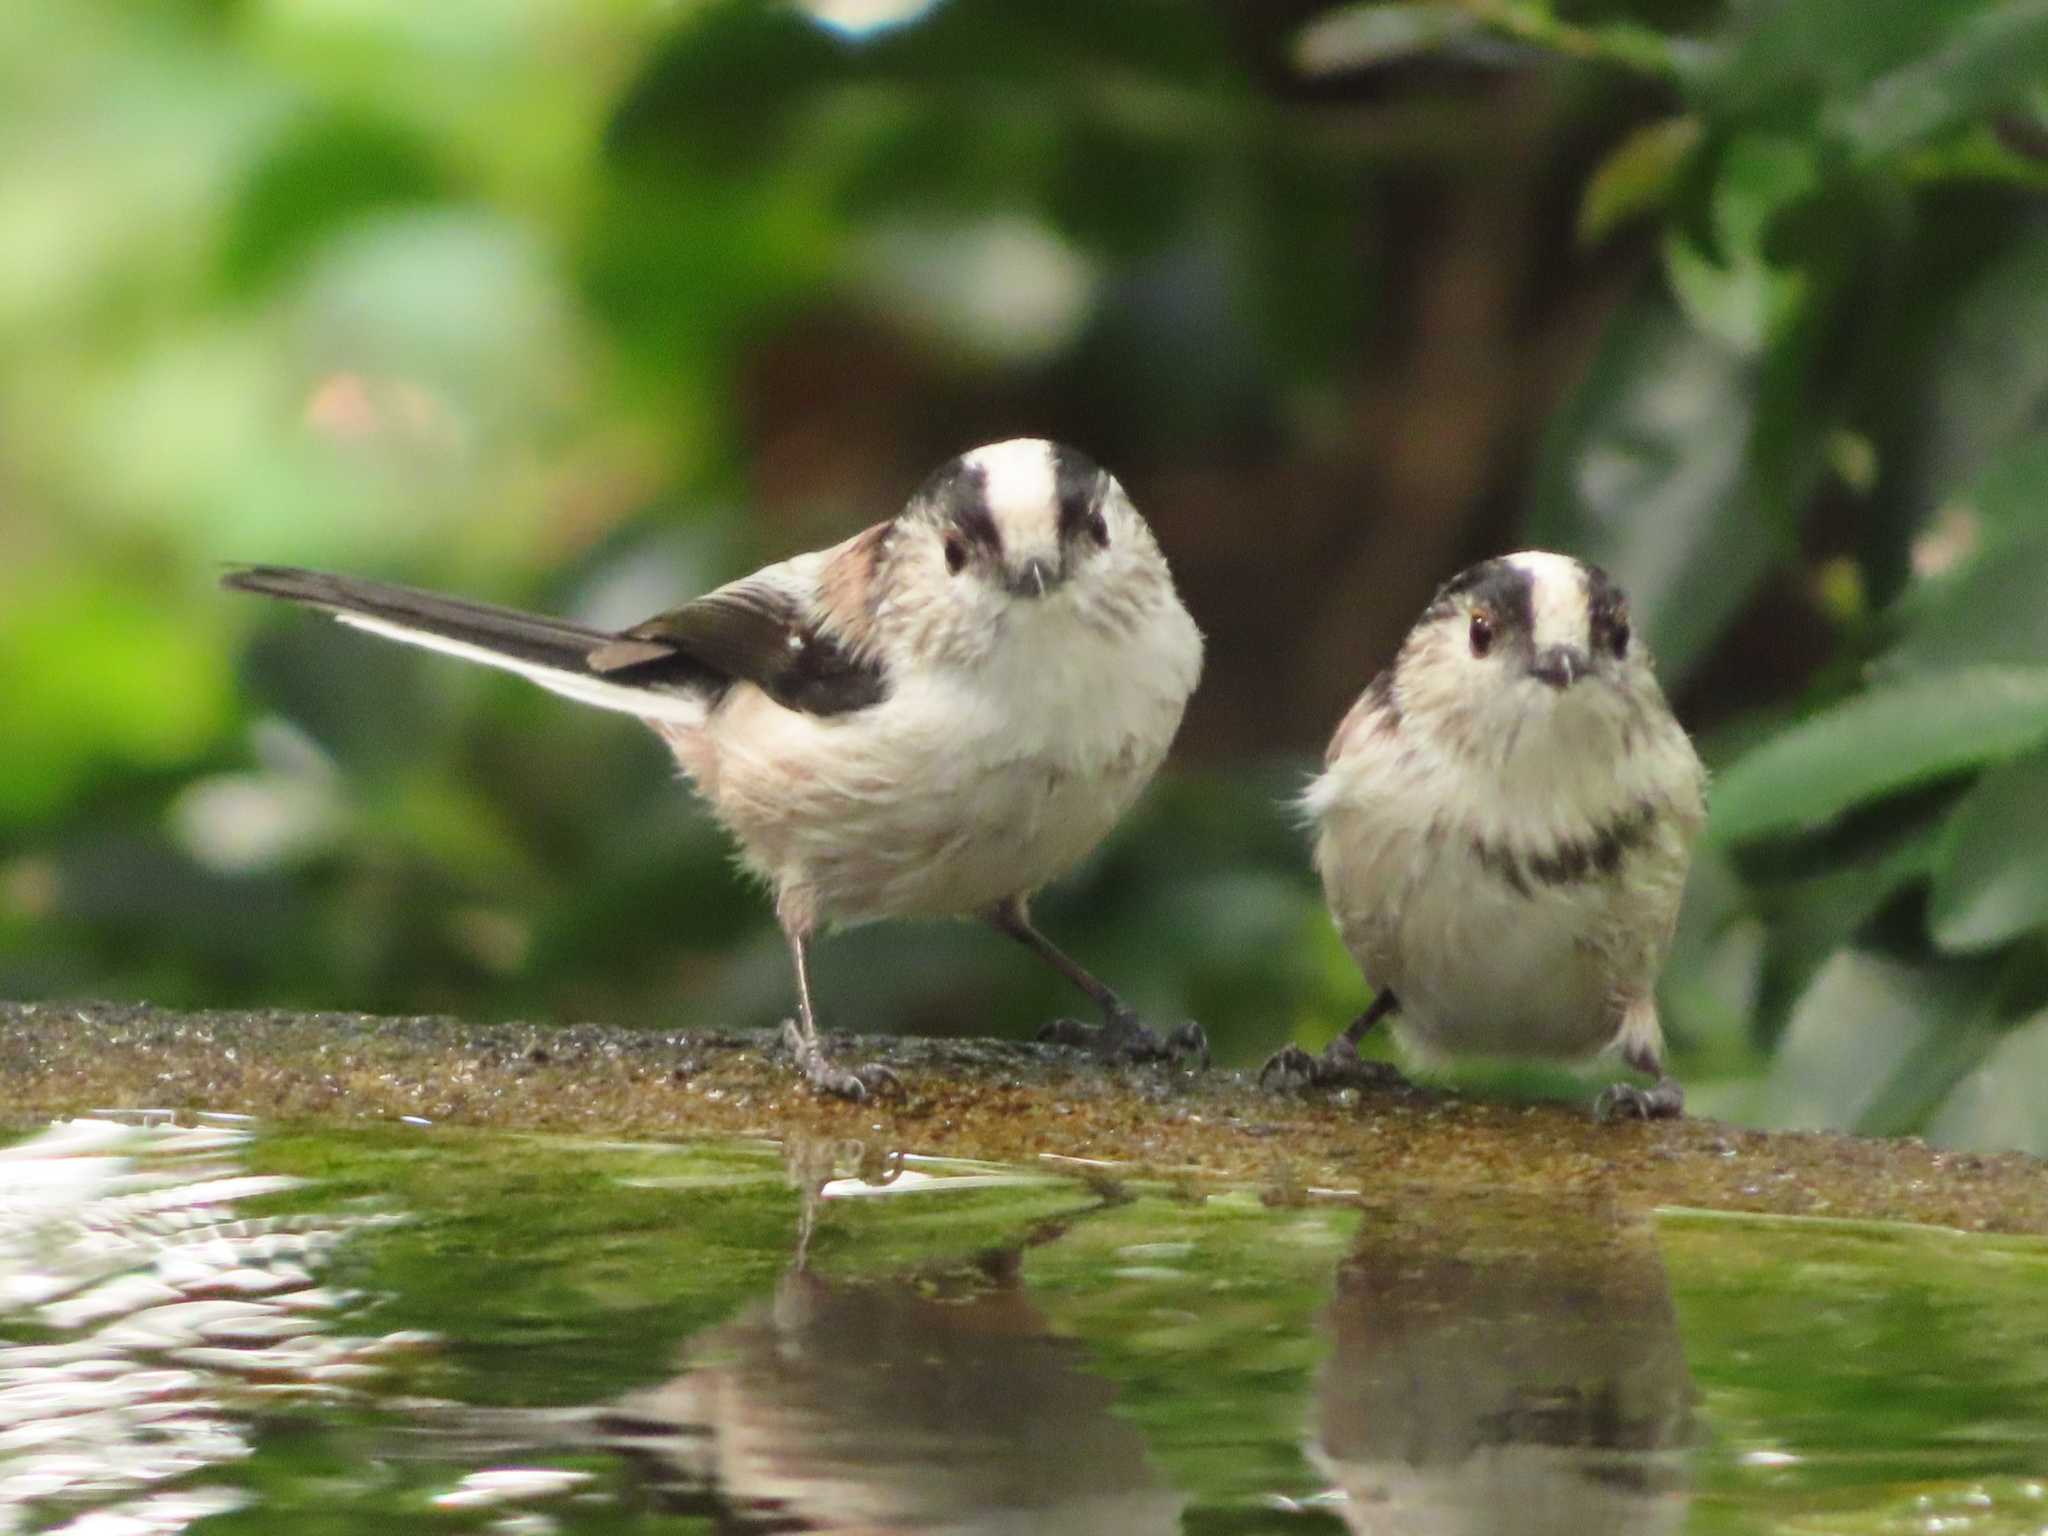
973, 1098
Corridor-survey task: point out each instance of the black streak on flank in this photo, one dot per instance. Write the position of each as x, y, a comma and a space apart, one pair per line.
1626, 833
1497, 585
1599, 852
1499, 859
1078, 482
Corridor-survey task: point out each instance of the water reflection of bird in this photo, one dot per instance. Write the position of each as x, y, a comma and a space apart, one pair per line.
1504, 1368
929, 1401
932, 1401
894, 1405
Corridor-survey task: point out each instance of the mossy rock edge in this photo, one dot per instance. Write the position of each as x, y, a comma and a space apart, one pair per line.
977, 1098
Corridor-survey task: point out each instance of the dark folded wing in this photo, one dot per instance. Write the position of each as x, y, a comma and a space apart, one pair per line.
763, 630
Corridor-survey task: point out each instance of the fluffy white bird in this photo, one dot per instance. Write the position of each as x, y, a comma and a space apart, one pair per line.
932, 719
1503, 826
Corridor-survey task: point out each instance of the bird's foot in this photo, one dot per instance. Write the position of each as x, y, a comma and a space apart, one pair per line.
1625, 1101
1125, 1039
860, 1083
1293, 1070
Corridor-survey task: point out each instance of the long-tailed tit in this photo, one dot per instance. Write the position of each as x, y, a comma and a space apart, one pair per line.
932, 719
1503, 825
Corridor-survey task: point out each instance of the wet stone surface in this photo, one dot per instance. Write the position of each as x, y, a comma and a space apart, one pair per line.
972, 1098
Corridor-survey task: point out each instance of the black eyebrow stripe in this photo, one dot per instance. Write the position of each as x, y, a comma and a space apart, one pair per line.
973, 518
1500, 584
966, 503
1606, 604
1078, 484
957, 493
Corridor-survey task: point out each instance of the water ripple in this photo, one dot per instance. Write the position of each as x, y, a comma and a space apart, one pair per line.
143, 1316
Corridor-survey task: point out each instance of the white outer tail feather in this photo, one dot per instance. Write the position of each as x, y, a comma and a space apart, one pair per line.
646, 703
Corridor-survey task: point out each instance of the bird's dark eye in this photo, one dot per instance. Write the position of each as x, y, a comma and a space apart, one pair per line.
1617, 635
956, 553
1079, 515
1482, 632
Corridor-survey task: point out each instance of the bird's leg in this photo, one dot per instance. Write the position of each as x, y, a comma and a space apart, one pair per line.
1664, 1100
801, 1036
1122, 1036
1340, 1066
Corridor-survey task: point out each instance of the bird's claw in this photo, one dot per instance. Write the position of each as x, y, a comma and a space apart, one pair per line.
1126, 1039
1288, 1070
1293, 1070
872, 1080
1625, 1101
1188, 1041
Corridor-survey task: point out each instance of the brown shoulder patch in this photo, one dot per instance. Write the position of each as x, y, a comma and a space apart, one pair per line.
849, 587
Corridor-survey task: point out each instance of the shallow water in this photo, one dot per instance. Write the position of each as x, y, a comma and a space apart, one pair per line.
222, 1329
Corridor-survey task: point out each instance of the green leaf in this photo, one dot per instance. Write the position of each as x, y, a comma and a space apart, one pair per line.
1998, 1107
1875, 1042
1993, 612
101, 673
1636, 177
1990, 609
1986, 59
2013, 489
1981, 152
1890, 738
1992, 881
327, 172
1880, 76
1647, 471
1988, 387
1735, 291
1364, 36
1811, 918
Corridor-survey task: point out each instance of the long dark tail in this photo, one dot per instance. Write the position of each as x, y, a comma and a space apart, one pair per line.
551, 652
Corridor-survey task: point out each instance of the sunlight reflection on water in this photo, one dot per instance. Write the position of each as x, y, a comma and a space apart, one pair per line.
142, 1317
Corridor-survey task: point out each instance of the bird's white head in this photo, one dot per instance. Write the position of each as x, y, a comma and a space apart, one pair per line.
1018, 538
1516, 653
1025, 518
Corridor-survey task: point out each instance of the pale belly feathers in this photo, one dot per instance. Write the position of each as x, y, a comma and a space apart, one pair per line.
963, 787
1487, 965
1481, 969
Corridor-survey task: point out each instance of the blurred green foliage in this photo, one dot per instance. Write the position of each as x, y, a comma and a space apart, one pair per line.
587, 304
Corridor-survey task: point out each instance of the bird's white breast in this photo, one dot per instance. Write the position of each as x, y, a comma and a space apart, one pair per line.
973, 781
1482, 962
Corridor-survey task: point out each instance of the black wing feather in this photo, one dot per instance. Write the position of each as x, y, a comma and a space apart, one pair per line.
753, 632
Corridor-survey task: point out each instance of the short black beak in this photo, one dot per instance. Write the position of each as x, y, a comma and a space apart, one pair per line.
1560, 665
1034, 578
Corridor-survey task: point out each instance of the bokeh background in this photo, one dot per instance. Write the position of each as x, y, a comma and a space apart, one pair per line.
590, 304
